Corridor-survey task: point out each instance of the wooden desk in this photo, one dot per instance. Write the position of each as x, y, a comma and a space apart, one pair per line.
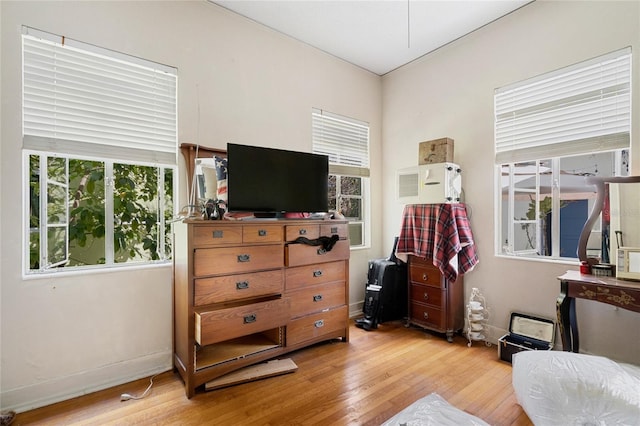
573, 285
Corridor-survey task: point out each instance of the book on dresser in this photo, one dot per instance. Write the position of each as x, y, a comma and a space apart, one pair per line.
247, 291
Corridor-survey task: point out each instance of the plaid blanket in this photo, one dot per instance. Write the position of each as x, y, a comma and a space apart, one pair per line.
440, 232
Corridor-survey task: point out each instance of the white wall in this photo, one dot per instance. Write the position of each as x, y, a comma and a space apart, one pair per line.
238, 82
449, 93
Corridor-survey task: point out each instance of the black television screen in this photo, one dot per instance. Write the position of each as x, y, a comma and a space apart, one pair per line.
268, 180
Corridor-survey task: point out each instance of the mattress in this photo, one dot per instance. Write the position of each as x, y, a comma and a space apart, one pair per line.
433, 410
566, 388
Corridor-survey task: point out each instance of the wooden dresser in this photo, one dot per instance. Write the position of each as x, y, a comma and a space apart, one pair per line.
442, 234
244, 292
434, 302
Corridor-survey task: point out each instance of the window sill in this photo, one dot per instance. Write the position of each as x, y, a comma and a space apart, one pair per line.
561, 261
96, 270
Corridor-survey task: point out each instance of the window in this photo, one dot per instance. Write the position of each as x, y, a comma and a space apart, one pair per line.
346, 142
551, 132
99, 150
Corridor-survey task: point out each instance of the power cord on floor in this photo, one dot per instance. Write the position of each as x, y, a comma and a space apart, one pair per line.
126, 396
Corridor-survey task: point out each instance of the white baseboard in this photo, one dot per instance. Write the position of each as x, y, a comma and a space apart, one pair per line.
496, 333
63, 388
355, 309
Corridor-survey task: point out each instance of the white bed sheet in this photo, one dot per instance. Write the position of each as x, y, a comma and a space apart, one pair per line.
433, 410
565, 388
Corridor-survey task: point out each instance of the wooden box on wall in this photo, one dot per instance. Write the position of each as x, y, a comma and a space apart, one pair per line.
435, 151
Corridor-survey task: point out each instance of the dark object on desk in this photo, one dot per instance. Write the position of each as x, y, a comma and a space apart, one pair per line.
603, 270
385, 291
526, 333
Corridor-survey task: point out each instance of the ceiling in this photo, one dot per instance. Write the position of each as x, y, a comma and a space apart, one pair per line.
377, 35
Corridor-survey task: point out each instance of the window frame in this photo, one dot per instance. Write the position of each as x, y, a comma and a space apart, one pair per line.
109, 248
555, 146
362, 222
130, 119
347, 144
506, 248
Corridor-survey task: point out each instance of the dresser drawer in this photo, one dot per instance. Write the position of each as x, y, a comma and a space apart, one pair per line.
304, 276
303, 254
317, 325
317, 298
426, 294
223, 324
307, 231
262, 233
329, 229
427, 316
314, 231
234, 287
226, 260
207, 235
584, 291
425, 274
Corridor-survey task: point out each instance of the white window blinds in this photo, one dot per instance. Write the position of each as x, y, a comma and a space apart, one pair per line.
83, 100
344, 140
579, 109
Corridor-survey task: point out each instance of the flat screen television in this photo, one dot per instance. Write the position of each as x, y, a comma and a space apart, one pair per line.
269, 181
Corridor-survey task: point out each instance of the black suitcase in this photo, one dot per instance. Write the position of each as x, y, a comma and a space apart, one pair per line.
385, 291
391, 276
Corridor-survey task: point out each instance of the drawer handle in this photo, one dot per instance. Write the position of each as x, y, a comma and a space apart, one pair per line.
302, 231
426, 296
218, 234
425, 277
319, 323
317, 273
250, 318
426, 315
262, 232
317, 298
242, 285
244, 258
321, 251
334, 230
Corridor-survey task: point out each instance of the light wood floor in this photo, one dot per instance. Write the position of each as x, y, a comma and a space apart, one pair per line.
363, 382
